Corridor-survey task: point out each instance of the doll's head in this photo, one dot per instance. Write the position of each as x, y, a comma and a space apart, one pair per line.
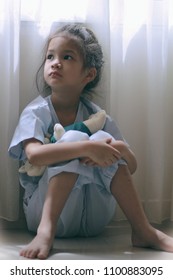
89, 48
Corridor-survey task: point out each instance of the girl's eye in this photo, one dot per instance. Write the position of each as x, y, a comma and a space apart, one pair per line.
68, 57
49, 56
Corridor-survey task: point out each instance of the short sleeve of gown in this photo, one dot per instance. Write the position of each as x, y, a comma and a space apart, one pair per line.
33, 123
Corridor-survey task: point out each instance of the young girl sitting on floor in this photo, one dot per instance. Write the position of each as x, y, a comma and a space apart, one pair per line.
83, 181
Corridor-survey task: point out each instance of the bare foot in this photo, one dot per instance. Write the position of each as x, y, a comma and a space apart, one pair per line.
39, 247
153, 239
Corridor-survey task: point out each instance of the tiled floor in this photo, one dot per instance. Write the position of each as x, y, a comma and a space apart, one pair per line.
113, 243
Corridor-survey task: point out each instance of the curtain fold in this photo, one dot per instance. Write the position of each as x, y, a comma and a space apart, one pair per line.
136, 89
141, 96
9, 105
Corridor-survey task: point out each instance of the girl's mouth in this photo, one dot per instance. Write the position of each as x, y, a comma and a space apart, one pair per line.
55, 74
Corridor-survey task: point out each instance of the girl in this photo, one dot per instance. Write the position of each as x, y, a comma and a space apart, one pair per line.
77, 194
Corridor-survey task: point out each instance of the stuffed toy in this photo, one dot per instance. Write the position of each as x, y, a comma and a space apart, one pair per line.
62, 134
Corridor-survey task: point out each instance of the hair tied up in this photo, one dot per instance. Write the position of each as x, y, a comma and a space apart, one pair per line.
85, 33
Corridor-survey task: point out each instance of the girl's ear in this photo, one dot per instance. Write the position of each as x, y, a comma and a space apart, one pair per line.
91, 74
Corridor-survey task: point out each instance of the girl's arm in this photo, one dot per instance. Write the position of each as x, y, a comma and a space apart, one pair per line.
126, 154
100, 152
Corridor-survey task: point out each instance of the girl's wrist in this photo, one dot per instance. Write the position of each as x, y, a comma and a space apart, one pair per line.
86, 148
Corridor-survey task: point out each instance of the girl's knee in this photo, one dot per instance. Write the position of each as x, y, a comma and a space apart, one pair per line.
73, 135
99, 135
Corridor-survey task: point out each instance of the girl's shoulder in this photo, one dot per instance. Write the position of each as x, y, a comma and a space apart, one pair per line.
37, 103
90, 105
38, 109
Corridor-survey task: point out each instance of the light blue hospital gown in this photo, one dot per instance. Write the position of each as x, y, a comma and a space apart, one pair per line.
90, 206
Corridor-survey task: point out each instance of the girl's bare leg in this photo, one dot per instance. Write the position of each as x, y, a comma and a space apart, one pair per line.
143, 234
59, 189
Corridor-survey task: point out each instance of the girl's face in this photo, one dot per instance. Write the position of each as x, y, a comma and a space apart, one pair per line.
63, 69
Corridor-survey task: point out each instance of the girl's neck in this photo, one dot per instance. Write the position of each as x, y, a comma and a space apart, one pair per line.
65, 104
66, 110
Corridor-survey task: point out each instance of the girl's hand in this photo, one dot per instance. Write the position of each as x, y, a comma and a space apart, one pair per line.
101, 153
126, 154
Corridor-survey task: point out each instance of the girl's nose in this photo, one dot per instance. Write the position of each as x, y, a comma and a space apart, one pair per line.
56, 65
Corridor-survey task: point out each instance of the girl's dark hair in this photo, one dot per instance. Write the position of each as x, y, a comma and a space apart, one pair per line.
89, 47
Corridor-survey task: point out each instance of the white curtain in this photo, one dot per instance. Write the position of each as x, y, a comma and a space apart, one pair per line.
9, 105
136, 90
142, 95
